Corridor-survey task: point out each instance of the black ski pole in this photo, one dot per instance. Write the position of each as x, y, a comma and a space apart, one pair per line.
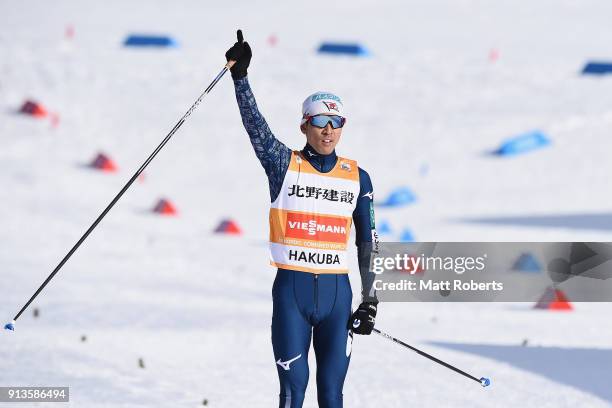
11, 325
485, 382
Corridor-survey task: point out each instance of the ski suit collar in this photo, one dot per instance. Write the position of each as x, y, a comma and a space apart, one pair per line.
322, 162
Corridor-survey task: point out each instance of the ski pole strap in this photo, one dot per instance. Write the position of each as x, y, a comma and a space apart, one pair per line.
482, 381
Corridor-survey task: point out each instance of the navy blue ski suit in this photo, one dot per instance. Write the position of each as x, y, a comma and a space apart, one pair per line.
309, 306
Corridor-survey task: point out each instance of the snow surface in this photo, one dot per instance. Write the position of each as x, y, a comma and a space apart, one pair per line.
424, 111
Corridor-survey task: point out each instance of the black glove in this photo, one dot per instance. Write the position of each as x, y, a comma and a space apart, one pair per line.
362, 321
241, 53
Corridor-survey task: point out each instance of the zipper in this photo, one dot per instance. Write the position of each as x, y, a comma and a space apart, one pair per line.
316, 294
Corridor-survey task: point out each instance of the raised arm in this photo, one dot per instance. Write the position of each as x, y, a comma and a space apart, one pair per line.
273, 155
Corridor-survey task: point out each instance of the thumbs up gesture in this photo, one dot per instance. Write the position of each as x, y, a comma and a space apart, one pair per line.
241, 53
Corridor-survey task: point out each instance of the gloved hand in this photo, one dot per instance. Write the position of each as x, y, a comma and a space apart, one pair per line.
363, 319
241, 53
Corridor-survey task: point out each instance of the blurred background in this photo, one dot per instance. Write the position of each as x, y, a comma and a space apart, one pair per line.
477, 121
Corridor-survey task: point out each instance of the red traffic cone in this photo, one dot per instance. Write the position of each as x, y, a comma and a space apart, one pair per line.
228, 226
554, 299
104, 163
33, 108
165, 207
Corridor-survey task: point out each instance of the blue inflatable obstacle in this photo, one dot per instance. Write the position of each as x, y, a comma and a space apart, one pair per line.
597, 68
399, 197
354, 49
526, 263
523, 143
144, 40
384, 228
406, 236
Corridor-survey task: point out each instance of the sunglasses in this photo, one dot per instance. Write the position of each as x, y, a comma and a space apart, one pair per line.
321, 121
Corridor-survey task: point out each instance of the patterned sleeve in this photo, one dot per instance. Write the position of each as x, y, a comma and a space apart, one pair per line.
273, 155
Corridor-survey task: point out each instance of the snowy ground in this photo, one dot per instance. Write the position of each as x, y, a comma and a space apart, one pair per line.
195, 306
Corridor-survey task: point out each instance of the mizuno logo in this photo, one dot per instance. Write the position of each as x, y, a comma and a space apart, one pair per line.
369, 194
310, 153
349, 343
286, 364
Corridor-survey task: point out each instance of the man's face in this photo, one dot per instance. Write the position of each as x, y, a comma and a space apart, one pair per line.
323, 140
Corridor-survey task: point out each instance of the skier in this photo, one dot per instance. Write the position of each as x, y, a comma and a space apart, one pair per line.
316, 196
